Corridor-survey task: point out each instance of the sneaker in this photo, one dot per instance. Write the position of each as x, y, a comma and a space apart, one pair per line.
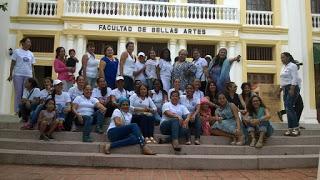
295, 132
44, 138
197, 142
147, 140
253, 143
153, 140
287, 133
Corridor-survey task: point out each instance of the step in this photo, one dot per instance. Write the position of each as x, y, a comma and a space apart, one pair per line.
162, 161
77, 136
277, 132
96, 147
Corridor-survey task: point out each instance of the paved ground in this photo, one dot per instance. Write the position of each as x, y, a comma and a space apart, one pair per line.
26, 172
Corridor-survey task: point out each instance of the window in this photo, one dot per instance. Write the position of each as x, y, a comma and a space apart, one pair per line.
202, 1
42, 72
259, 53
255, 78
315, 6
101, 45
146, 47
42, 44
259, 5
204, 49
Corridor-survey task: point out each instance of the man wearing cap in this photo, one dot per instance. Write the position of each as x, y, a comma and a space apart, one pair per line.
117, 94
140, 67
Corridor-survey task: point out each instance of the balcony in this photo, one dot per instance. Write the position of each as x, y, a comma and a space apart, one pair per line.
136, 10
259, 18
316, 22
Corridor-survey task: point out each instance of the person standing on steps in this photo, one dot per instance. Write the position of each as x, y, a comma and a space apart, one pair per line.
21, 69
108, 67
122, 132
202, 68
164, 69
290, 83
90, 65
140, 67
127, 66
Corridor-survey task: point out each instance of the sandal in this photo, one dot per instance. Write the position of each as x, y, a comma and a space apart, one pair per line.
153, 140
147, 140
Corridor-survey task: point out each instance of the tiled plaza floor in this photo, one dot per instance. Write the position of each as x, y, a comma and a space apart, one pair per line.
26, 172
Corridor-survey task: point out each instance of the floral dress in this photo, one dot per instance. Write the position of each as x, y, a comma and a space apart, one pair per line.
185, 72
228, 123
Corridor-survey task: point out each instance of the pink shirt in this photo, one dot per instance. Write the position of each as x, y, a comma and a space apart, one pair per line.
61, 68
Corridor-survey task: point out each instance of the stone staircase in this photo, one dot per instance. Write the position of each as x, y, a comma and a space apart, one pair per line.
23, 147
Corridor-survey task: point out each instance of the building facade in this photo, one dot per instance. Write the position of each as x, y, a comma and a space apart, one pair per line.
258, 30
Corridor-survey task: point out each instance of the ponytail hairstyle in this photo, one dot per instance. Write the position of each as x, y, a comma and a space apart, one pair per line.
291, 59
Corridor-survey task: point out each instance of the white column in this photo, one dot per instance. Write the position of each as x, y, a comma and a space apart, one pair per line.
222, 44
182, 44
70, 40
134, 40
172, 48
297, 36
81, 49
121, 46
235, 71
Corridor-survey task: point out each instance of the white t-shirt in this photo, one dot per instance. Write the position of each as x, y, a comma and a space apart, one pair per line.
157, 98
178, 109
74, 92
141, 76
151, 69
96, 93
92, 66
44, 94
289, 75
198, 94
117, 93
62, 99
189, 103
24, 60
125, 117
137, 102
172, 89
200, 63
165, 68
85, 105
35, 93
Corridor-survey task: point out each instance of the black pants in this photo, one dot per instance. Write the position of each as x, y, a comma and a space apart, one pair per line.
145, 123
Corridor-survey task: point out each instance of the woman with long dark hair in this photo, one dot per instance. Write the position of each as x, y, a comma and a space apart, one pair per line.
108, 67
21, 69
290, 83
127, 66
164, 69
62, 70
219, 69
90, 65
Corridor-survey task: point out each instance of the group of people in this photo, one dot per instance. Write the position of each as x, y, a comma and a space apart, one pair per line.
137, 93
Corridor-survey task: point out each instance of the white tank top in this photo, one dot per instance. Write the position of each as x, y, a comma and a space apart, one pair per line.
129, 66
92, 66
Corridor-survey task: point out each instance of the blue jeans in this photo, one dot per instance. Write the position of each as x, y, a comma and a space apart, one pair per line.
97, 117
125, 135
35, 114
289, 104
173, 128
196, 124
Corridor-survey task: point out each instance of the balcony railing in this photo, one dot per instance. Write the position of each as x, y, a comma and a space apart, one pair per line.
44, 8
316, 22
146, 10
259, 18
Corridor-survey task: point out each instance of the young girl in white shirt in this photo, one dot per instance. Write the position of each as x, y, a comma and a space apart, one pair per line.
151, 68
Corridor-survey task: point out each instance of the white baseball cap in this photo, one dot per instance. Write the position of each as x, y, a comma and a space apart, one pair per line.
119, 78
141, 54
56, 82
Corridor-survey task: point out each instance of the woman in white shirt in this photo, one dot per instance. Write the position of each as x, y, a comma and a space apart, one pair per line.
139, 71
122, 132
21, 69
30, 100
290, 85
151, 68
78, 89
164, 69
143, 113
102, 93
84, 109
127, 66
202, 68
159, 97
90, 65
175, 119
